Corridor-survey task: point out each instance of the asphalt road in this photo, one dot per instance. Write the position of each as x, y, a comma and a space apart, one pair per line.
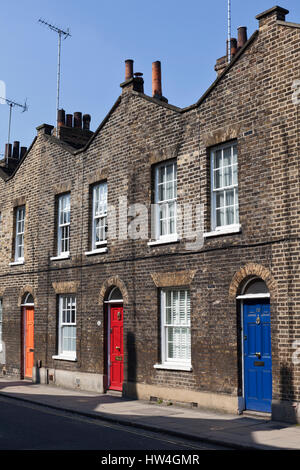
25, 426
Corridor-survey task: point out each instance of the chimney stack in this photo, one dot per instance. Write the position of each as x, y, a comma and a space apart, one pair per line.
128, 69
78, 120
16, 150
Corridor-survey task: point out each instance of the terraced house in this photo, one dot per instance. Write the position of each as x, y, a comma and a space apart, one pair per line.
101, 288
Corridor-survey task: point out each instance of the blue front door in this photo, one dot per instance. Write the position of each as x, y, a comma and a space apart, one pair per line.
257, 355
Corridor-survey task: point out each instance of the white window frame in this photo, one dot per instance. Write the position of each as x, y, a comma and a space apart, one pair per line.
66, 304
167, 362
235, 226
169, 236
64, 202
100, 216
20, 231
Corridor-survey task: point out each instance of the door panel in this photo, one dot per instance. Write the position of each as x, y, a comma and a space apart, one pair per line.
29, 340
257, 355
116, 348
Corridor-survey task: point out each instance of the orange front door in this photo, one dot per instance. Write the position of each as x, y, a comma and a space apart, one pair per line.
29, 340
116, 348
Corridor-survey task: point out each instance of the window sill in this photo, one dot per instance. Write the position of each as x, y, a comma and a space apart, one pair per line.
17, 263
96, 251
65, 358
224, 231
57, 258
164, 241
169, 366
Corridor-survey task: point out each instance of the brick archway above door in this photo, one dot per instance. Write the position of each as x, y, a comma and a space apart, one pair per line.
26, 290
248, 271
113, 281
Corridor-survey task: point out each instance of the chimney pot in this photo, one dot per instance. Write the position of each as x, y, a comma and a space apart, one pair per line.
7, 150
156, 79
22, 152
61, 117
16, 150
69, 120
128, 69
78, 120
86, 121
242, 37
233, 47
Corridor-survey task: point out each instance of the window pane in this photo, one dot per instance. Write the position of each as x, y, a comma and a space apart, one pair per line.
229, 197
218, 159
230, 215
220, 217
227, 156
227, 176
219, 199
235, 175
217, 179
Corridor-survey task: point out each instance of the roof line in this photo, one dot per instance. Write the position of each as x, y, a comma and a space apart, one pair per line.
83, 149
21, 161
148, 98
219, 78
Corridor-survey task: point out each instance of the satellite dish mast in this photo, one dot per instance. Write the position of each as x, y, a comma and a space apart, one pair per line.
229, 33
61, 33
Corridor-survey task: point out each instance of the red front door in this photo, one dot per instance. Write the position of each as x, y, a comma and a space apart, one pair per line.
29, 340
116, 348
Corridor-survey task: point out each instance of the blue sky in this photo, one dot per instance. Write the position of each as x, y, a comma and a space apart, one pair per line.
186, 36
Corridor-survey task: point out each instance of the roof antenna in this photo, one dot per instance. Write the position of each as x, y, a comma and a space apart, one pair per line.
11, 105
229, 33
61, 33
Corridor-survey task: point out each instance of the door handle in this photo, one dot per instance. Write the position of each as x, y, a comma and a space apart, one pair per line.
31, 350
118, 348
258, 354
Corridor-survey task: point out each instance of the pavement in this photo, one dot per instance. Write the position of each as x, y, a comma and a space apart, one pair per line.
239, 432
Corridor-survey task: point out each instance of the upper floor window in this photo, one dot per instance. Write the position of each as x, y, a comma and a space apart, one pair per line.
19, 238
63, 239
224, 186
165, 197
99, 236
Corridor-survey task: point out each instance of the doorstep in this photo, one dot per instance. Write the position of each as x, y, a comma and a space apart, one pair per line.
257, 414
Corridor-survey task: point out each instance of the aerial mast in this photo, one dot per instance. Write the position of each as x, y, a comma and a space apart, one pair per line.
61, 34
229, 33
11, 105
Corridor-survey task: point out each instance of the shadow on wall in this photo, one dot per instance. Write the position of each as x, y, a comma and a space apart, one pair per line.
286, 408
130, 385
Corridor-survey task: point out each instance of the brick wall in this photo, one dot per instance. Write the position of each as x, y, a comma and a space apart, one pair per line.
251, 103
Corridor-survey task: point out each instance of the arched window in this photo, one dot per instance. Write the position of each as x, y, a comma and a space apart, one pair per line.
28, 299
115, 295
254, 287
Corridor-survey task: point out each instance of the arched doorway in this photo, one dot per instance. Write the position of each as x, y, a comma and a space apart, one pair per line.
114, 339
27, 340
256, 345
